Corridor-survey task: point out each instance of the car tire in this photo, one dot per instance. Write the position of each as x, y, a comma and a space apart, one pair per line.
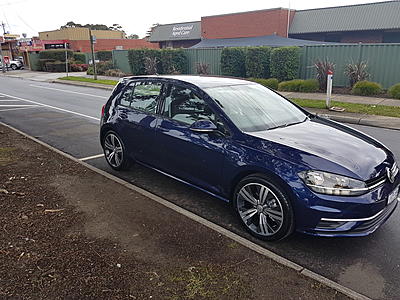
115, 152
13, 67
264, 207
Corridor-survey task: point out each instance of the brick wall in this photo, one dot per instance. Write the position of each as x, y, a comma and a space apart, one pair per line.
247, 24
110, 44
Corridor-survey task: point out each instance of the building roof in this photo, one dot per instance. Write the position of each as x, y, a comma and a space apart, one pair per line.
266, 40
370, 16
176, 31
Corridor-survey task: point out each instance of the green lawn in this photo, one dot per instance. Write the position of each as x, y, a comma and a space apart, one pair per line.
380, 110
85, 79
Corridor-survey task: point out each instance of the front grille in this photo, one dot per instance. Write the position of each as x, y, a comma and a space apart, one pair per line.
374, 181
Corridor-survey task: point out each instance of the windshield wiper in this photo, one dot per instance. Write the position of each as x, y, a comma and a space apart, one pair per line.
289, 124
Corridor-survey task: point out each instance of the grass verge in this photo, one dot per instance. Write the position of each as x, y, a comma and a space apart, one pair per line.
379, 110
85, 79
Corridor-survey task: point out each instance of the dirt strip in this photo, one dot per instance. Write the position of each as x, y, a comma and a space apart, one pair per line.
69, 233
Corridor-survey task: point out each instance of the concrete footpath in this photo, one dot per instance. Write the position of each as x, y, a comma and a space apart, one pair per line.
345, 117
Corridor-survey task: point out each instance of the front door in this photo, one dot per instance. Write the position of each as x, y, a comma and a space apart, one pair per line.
192, 156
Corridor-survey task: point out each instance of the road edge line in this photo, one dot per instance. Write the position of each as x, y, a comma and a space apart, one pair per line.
229, 234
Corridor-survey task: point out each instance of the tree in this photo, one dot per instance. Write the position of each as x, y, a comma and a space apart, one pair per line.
133, 36
151, 29
72, 24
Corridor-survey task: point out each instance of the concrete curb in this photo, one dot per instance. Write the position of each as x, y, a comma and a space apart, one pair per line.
221, 230
358, 119
85, 84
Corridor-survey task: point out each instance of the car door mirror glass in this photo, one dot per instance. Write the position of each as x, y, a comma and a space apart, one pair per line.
203, 126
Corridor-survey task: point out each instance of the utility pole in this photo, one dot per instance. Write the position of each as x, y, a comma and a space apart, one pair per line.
93, 58
66, 58
3, 65
288, 20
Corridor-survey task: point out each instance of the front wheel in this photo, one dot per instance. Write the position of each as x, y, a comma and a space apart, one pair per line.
264, 208
115, 152
14, 67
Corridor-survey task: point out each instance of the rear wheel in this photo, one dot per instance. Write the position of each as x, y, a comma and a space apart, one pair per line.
14, 66
264, 208
115, 152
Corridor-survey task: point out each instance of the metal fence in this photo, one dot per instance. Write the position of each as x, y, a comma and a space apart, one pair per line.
210, 57
383, 61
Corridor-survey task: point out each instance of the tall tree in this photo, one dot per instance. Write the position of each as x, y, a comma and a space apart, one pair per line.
133, 36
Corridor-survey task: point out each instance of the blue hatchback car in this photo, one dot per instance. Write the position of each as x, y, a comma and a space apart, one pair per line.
282, 168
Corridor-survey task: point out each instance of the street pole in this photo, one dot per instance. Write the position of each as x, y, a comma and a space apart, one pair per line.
66, 58
3, 66
288, 20
329, 89
93, 58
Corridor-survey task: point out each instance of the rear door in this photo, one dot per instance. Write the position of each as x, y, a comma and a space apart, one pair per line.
137, 114
192, 156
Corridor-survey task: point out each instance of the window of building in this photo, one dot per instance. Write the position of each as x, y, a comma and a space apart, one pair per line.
183, 105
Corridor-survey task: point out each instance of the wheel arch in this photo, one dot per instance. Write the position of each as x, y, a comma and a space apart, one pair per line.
255, 171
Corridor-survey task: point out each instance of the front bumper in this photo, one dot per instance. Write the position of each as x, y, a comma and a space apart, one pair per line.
332, 216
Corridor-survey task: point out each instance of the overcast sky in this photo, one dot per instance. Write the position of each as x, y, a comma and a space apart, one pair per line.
135, 16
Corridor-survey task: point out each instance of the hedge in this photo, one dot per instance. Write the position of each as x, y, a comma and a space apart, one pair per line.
80, 58
366, 88
258, 62
271, 83
233, 61
170, 61
101, 68
104, 55
55, 55
285, 63
299, 85
394, 91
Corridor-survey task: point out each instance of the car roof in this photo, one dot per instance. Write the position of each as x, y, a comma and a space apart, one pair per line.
201, 81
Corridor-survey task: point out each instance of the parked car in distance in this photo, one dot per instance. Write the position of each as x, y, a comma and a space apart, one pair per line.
12, 64
281, 167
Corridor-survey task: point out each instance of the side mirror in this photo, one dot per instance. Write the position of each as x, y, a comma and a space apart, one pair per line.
203, 126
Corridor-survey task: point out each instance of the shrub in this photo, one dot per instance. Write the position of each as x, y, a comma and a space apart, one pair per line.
202, 68
291, 85
309, 86
394, 91
285, 63
115, 73
101, 68
366, 88
79, 58
321, 68
56, 66
79, 67
104, 55
258, 62
55, 55
356, 72
233, 61
271, 83
170, 61
150, 65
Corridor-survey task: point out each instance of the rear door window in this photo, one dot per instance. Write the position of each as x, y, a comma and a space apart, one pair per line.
142, 96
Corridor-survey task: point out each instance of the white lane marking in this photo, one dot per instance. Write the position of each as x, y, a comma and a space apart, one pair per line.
66, 91
8, 100
53, 107
91, 157
19, 108
16, 105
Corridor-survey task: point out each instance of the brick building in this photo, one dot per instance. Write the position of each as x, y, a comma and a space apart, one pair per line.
363, 23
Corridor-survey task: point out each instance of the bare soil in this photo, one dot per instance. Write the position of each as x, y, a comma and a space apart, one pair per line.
69, 233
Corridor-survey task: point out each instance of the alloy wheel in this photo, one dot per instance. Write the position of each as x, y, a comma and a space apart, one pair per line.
113, 150
260, 209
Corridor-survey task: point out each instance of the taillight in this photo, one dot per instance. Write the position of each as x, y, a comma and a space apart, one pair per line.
102, 110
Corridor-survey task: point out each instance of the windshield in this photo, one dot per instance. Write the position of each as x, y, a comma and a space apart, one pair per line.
253, 107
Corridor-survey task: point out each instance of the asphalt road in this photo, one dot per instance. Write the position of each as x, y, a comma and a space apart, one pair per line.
67, 118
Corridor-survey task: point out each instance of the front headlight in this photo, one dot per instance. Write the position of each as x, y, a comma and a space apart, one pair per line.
333, 184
